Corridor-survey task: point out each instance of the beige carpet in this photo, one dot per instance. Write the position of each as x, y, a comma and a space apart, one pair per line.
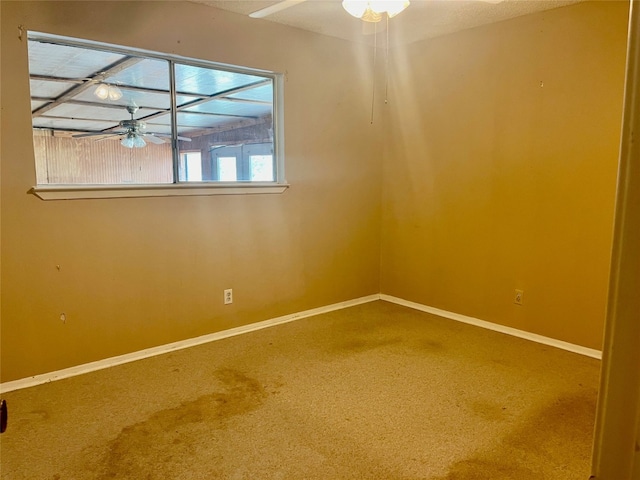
376, 391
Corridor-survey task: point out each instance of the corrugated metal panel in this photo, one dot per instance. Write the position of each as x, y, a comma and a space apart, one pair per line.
207, 81
46, 89
231, 108
201, 121
68, 62
80, 63
72, 110
71, 124
36, 104
263, 93
149, 73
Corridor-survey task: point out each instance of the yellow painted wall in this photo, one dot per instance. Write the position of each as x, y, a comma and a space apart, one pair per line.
500, 170
136, 273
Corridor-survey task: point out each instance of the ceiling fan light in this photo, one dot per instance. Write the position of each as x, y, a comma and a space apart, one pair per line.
102, 91
110, 92
114, 93
382, 6
372, 10
127, 141
394, 7
355, 7
371, 16
138, 141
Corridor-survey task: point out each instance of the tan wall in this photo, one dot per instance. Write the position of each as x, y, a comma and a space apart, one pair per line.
500, 170
136, 273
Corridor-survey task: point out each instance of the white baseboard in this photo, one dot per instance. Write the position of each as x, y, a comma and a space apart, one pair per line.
589, 352
170, 347
150, 352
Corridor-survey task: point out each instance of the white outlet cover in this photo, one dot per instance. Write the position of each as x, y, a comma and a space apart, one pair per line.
228, 296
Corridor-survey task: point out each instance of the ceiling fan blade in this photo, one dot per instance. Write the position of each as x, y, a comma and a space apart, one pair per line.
110, 137
276, 7
154, 139
164, 135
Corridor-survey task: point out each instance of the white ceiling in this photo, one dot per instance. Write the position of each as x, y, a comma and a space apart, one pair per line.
423, 19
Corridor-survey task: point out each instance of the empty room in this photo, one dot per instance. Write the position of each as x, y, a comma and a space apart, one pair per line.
315, 239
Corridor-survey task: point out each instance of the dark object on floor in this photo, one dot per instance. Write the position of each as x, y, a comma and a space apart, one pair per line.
3, 416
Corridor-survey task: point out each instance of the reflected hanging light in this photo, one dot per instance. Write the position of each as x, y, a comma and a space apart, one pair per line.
111, 92
139, 142
132, 140
373, 10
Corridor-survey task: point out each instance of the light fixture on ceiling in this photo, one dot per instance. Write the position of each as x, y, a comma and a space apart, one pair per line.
133, 140
108, 92
374, 10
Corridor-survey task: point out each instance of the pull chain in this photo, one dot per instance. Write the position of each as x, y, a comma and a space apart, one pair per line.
386, 66
375, 49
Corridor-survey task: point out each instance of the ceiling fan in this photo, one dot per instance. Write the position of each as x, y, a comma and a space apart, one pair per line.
284, 4
275, 8
135, 132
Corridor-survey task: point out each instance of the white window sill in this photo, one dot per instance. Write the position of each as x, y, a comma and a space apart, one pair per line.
74, 192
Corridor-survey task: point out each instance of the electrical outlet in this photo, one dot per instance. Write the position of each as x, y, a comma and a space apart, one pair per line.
228, 296
518, 297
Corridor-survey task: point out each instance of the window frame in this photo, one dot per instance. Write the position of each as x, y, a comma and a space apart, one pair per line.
177, 188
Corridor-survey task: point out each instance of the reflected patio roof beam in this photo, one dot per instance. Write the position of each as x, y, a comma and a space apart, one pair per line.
88, 83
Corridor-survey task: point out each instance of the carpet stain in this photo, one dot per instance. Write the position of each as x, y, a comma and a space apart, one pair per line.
29, 419
168, 440
360, 334
39, 415
501, 362
363, 344
488, 411
567, 420
486, 469
431, 345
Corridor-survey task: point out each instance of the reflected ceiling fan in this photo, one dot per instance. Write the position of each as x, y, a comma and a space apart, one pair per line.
135, 132
349, 5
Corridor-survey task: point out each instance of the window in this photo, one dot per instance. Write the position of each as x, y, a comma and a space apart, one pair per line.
247, 163
261, 167
191, 167
109, 116
226, 169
